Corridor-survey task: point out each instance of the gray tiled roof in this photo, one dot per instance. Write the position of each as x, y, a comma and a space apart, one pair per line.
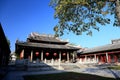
108, 47
44, 45
48, 39
45, 38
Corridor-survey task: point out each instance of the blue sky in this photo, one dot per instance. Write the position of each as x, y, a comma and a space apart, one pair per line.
21, 17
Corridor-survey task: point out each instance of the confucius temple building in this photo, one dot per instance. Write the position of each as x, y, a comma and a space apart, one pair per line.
44, 47
103, 54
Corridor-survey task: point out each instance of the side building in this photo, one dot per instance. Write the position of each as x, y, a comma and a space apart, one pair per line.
103, 54
4, 49
45, 48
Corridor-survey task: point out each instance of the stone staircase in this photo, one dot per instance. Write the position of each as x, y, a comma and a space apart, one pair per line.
30, 66
40, 67
48, 67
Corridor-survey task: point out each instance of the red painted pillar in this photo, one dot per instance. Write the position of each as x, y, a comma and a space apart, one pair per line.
22, 54
101, 57
82, 59
115, 58
109, 58
105, 60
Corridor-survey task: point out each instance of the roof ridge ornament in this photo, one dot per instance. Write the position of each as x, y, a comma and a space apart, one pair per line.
35, 34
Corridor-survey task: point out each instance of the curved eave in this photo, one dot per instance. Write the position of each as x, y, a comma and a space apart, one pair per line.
105, 48
48, 40
43, 45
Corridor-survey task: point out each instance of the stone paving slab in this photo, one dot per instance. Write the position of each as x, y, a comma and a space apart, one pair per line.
100, 72
17, 75
105, 73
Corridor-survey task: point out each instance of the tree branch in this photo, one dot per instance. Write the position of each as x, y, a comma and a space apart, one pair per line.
118, 10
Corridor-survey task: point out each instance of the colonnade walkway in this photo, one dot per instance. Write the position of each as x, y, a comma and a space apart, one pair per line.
100, 70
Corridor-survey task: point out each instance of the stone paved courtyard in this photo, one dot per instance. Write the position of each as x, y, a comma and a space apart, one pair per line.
17, 75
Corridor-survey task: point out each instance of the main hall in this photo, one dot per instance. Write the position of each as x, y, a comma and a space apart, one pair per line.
45, 48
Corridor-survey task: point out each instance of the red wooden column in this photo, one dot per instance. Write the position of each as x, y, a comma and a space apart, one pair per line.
22, 54
106, 57
105, 60
83, 58
101, 58
109, 58
115, 58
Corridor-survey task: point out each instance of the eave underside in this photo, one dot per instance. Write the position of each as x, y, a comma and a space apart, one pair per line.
47, 39
46, 46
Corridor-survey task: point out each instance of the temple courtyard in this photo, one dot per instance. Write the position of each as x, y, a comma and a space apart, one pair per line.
85, 72
44, 57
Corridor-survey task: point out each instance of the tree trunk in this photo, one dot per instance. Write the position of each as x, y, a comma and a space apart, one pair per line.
118, 10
